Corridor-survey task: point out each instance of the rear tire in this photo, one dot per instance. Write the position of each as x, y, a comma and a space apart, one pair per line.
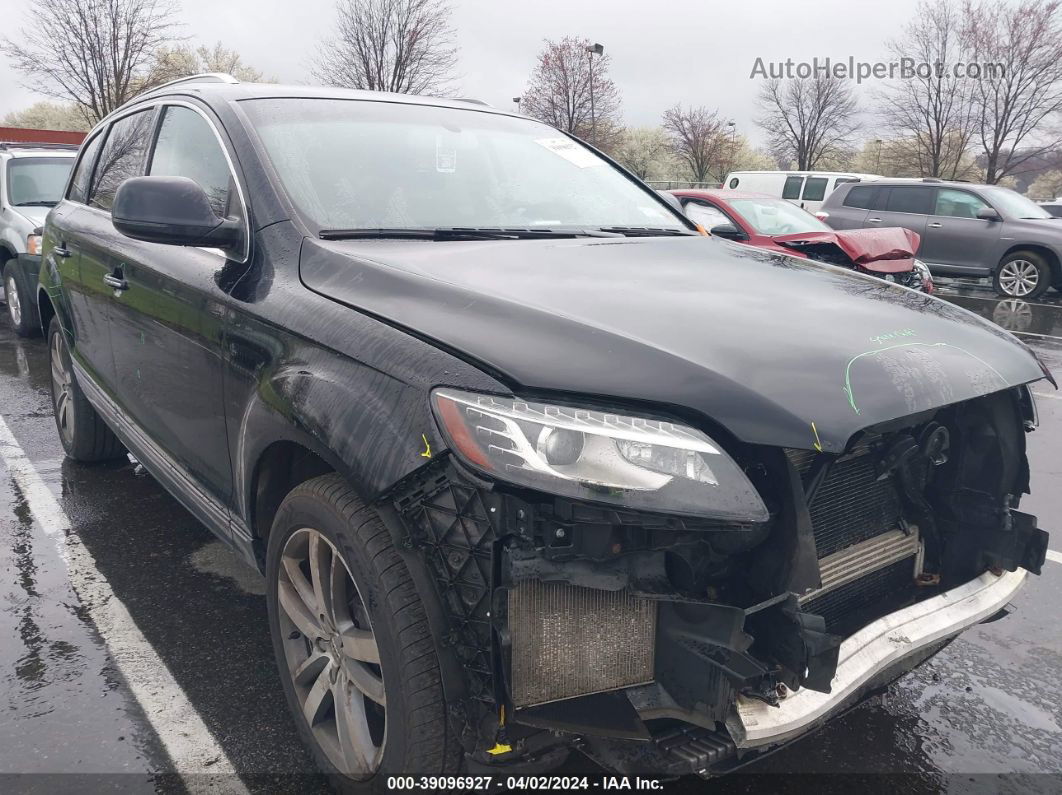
20, 308
1023, 274
371, 642
84, 435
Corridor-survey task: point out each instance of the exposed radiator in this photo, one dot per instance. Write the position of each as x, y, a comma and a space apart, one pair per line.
569, 641
857, 561
851, 504
868, 560
857, 603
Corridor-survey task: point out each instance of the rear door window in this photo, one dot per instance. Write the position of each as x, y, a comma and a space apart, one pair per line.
918, 201
791, 190
861, 197
122, 157
815, 188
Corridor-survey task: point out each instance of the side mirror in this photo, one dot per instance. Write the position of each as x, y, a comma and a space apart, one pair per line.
171, 210
988, 214
727, 231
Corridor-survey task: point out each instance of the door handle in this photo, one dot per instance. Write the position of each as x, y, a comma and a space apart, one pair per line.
935, 225
873, 220
60, 251
116, 280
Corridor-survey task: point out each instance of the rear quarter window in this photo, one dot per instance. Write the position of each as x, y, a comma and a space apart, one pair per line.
79, 185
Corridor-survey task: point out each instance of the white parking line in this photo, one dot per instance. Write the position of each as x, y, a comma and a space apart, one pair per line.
1049, 397
195, 753
1055, 556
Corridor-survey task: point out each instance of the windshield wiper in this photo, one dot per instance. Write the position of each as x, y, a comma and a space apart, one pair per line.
648, 231
36, 204
459, 233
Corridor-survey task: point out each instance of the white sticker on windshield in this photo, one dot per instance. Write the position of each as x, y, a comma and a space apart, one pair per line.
570, 151
445, 156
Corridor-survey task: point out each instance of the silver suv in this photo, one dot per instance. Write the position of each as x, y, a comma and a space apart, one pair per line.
967, 230
32, 180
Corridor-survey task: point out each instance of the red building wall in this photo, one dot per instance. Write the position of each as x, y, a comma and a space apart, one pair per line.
27, 135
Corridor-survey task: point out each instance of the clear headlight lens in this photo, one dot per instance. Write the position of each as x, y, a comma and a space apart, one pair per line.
923, 276
638, 463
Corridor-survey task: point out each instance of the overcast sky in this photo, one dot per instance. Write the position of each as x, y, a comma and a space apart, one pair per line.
695, 52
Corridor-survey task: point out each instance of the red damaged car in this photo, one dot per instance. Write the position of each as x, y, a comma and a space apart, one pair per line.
776, 224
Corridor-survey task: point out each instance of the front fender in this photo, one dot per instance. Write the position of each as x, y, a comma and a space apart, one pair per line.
374, 427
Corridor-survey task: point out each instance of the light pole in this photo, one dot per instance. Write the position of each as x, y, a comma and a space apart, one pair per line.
591, 51
733, 146
877, 163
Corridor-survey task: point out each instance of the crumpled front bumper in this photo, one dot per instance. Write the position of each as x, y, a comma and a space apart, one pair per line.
876, 648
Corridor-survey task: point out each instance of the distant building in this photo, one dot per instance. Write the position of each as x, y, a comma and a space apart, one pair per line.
28, 135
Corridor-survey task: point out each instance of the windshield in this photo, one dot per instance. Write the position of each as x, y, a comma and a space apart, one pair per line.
37, 181
1013, 205
777, 217
350, 165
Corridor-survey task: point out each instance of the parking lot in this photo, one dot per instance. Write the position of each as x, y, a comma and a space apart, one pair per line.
133, 647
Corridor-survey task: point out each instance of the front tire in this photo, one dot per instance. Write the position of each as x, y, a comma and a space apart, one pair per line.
20, 309
1023, 274
84, 435
355, 654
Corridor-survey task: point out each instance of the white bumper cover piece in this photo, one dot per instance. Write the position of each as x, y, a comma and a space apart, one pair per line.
873, 649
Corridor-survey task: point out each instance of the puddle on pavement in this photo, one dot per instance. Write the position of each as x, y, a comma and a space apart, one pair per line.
217, 558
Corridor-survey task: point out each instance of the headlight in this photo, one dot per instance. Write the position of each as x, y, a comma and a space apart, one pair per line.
33, 244
923, 276
634, 462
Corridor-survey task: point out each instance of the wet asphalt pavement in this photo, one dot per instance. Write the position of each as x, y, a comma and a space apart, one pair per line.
990, 703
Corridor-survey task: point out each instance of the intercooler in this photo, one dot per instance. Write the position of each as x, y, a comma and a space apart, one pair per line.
868, 556
570, 641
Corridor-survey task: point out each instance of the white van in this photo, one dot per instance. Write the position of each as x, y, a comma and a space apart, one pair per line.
808, 189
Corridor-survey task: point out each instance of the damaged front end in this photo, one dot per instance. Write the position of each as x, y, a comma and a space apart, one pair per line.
887, 253
669, 644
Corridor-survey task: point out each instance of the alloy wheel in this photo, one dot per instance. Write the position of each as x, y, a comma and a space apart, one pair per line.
1019, 277
14, 306
331, 653
62, 394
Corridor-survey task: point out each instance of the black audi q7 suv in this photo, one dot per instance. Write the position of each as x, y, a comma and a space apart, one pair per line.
528, 463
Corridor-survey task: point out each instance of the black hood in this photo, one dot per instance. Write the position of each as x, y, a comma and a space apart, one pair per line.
776, 349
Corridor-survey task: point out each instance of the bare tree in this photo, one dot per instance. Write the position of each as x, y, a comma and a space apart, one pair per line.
1046, 186
181, 61
931, 110
403, 46
45, 115
646, 151
1013, 108
95, 53
808, 121
699, 139
561, 88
